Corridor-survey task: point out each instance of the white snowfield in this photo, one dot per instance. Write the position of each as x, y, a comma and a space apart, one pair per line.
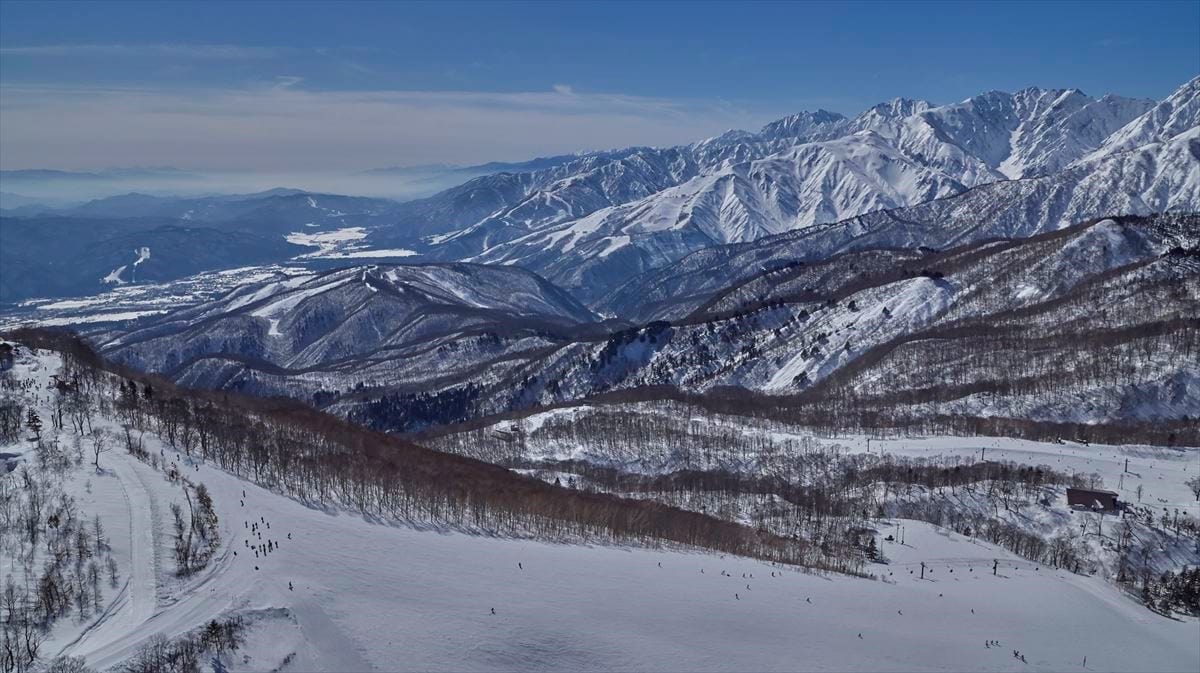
1161, 472
344, 243
131, 301
378, 596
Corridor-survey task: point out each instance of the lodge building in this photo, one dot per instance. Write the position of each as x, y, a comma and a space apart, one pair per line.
1096, 499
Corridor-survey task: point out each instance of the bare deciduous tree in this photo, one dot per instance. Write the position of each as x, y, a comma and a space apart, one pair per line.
100, 444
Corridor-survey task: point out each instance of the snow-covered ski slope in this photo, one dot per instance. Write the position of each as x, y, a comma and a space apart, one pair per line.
375, 595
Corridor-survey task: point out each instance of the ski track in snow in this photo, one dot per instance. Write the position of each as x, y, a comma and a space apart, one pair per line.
140, 597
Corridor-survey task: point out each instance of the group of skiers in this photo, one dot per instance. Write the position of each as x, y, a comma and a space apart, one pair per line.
256, 530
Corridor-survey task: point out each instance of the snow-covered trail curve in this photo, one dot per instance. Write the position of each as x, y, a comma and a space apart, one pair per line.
137, 603
217, 590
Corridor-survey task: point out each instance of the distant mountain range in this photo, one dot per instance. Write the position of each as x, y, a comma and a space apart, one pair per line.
1026, 242
34, 174
1042, 327
894, 155
361, 326
591, 222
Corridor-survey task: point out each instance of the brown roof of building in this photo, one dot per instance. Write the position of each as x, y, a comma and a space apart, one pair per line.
1092, 490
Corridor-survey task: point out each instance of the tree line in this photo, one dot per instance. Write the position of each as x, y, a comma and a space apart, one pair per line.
315, 457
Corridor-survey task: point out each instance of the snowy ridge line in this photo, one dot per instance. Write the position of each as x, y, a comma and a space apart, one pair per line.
780, 331
410, 317
1153, 179
591, 222
994, 138
958, 255
1084, 292
951, 258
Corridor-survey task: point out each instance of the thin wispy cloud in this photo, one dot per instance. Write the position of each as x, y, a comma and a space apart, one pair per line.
287, 81
195, 51
281, 126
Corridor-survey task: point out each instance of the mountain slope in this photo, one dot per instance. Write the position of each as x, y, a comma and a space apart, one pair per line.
468, 219
997, 135
810, 183
851, 327
61, 257
592, 220
1160, 177
806, 333
69, 253
989, 137
895, 154
1168, 119
378, 326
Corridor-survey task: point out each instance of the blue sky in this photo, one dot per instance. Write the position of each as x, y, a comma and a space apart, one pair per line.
271, 86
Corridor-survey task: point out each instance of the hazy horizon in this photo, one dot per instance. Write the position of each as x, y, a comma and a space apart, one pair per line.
348, 89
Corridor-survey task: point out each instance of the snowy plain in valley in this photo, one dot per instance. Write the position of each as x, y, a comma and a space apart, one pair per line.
130, 301
344, 243
378, 595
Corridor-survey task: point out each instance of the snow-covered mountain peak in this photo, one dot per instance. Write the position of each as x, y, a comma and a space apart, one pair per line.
1003, 135
727, 138
896, 108
1165, 120
805, 126
598, 219
1036, 100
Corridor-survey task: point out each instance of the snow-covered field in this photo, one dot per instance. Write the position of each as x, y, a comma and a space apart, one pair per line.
345, 243
1160, 471
372, 595
130, 301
